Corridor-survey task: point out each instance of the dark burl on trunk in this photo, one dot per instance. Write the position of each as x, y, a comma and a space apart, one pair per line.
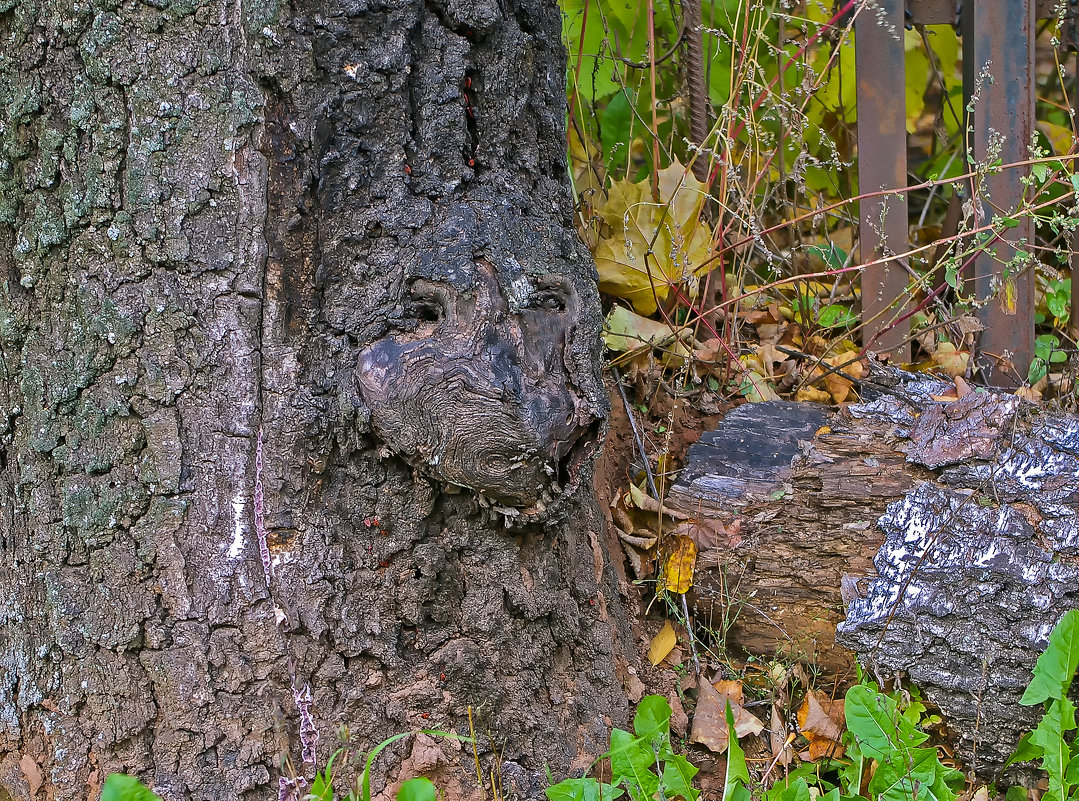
938, 533
303, 273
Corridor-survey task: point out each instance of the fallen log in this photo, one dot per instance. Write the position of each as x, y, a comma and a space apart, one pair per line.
936, 534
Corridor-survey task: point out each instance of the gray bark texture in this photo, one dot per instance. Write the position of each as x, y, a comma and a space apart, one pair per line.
299, 395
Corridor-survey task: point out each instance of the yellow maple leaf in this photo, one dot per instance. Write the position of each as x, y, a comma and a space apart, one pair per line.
653, 245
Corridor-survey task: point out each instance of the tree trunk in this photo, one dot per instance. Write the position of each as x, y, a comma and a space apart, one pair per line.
298, 391
937, 533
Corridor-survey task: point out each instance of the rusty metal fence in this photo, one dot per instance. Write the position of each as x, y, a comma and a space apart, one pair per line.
998, 66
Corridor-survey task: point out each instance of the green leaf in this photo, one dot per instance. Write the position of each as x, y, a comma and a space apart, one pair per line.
418, 789
832, 255
1040, 170
1071, 774
1025, 751
902, 771
737, 772
653, 718
677, 778
1049, 735
631, 764
1075, 181
121, 787
876, 724
1009, 222
322, 787
948, 784
587, 789
1056, 666
836, 315
797, 790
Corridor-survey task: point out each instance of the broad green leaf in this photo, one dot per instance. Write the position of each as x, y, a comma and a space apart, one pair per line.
653, 718
876, 724
587, 789
1071, 774
1025, 751
1056, 666
1049, 735
631, 764
902, 771
836, 316
737, 772
596, 68
121, 787
917, 74
321, 787
678, 776
1059, 136
948, 784
418, 789
797, 790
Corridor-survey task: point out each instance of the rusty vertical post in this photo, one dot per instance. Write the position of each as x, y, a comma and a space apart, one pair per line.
998, 73
882, 164
1073, 322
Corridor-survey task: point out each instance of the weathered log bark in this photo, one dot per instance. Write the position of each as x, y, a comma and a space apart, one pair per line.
938, 533
298, 387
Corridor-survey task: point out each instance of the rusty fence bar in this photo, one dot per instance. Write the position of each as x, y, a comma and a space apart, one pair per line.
998, 65
1073, 322
998, 82
882, 225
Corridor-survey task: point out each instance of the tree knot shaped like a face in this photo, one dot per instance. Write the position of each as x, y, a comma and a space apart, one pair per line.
477, 390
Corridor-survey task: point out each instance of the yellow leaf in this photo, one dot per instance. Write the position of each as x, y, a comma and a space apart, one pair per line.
949, 360
678, 570
662, 644
653, 246
1059, 136
624, 330
1008, 293
813, 395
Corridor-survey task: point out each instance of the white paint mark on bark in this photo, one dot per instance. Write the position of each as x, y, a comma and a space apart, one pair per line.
239, 503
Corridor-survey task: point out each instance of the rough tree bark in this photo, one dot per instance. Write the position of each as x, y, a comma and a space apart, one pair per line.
302, 273
938, 535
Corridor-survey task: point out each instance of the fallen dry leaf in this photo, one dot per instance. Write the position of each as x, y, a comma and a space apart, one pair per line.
813, 395
711, 534
778, 739
949, 360
678, 569
821, 749
821, 720
710, 719
624, 330
662, 644
820, 716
